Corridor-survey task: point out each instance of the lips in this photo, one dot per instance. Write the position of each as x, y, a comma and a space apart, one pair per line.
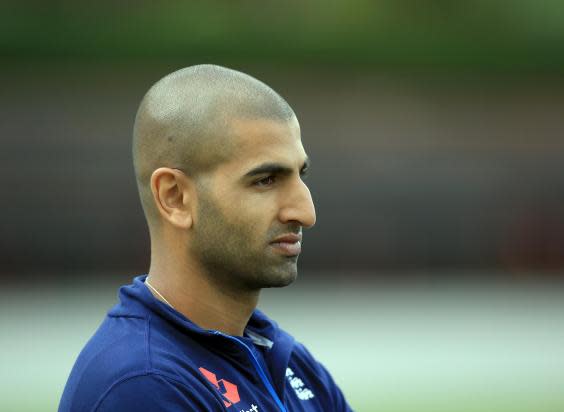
289, 244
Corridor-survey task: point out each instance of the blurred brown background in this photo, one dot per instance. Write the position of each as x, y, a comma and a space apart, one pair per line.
436, 131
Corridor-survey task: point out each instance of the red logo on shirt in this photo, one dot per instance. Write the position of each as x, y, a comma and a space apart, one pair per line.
227, 389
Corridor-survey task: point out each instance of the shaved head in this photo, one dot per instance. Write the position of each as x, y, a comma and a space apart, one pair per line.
184, 122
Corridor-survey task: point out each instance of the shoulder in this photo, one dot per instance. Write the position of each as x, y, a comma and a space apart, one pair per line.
309, 379
117, 349
130, 362
304, 357
154, 391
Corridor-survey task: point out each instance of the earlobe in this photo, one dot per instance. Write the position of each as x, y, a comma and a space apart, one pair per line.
172, 196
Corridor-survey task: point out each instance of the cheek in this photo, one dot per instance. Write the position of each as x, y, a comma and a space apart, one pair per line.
251, 228
251, 215
263, 207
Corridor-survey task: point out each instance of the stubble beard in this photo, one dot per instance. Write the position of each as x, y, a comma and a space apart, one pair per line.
225, 251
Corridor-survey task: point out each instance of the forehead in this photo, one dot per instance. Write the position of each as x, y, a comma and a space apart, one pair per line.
265, 140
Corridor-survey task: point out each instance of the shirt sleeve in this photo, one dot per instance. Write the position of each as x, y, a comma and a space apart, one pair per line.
156, 393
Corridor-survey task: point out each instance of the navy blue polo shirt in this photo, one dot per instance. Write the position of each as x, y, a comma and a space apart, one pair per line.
146, 357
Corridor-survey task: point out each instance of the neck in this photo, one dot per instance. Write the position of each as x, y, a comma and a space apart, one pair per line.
191, 293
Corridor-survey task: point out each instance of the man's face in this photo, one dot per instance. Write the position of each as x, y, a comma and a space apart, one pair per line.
252, 208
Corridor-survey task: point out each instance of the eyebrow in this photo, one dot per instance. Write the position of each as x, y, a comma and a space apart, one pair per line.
275, 168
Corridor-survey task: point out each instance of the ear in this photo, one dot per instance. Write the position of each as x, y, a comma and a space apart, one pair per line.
174, 196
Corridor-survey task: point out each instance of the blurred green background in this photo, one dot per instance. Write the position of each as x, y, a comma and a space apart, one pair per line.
434, 278
442, 34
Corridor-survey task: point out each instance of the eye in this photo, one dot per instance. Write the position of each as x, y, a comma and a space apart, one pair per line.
265, 181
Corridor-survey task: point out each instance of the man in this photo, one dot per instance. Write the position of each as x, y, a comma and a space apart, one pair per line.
219, 164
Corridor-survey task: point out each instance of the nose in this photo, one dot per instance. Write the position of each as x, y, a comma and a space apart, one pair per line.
298, 206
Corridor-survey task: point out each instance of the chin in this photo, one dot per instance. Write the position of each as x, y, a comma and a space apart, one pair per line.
277, 274
280, 278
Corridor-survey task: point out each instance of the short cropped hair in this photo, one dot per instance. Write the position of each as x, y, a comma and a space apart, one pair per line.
184, 119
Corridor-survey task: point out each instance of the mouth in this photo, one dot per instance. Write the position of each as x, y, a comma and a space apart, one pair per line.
288, 245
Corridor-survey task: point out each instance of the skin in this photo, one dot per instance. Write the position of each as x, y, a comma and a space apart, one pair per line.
214, 252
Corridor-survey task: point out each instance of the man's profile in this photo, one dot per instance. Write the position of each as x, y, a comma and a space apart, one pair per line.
219, 164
